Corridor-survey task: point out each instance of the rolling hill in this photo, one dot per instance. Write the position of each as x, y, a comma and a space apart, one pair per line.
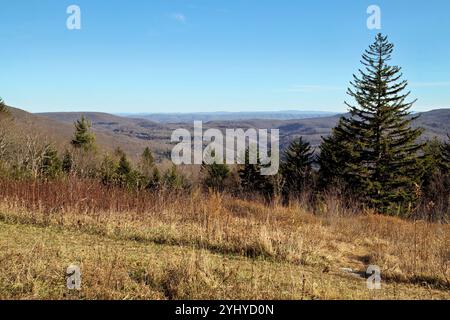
108, 130
230, 116
133, 134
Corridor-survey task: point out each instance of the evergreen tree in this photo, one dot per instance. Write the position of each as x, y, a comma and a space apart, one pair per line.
108, 170
430, 162
335, 153
172, 179
296, 168
435, 181
147, 163
380, 150
125, 176
433, 156
251, 179
215, 175
124, 169
445, 155
155, 180
67, 162
83, 137
50, 164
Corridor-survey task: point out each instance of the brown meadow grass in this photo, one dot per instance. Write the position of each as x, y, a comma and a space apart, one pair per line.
163, 245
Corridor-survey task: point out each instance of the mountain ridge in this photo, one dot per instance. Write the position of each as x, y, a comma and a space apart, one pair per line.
134, 134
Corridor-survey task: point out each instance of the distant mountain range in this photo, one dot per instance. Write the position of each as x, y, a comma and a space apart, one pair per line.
229, 116
133, 134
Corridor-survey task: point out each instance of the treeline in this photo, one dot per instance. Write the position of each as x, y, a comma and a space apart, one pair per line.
304, 176
373, 156
28, 156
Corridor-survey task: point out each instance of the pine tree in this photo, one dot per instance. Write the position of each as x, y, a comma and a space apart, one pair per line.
296, 168
215, 175
83, 137
433, 154
380, 143
251, 179
335, 153
147, 163
125, 176
435, 181
123, 170
431, 161
50, 164
67, 162
155, 180
172, 179
108, 168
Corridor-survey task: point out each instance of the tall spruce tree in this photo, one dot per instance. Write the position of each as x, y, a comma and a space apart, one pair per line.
379, 159
296, 168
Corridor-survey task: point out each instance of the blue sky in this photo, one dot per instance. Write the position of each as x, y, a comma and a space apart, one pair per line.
212, 55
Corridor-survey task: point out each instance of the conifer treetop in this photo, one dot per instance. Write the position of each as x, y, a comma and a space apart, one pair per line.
83, 137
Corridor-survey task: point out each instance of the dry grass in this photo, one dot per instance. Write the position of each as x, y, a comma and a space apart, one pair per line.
173, 246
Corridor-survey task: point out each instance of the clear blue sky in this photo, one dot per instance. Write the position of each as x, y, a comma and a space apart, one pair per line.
212, 55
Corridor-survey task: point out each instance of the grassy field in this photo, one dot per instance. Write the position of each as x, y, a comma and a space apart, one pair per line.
209, 247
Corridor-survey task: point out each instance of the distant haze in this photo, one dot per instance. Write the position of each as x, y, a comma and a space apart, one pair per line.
229, 116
